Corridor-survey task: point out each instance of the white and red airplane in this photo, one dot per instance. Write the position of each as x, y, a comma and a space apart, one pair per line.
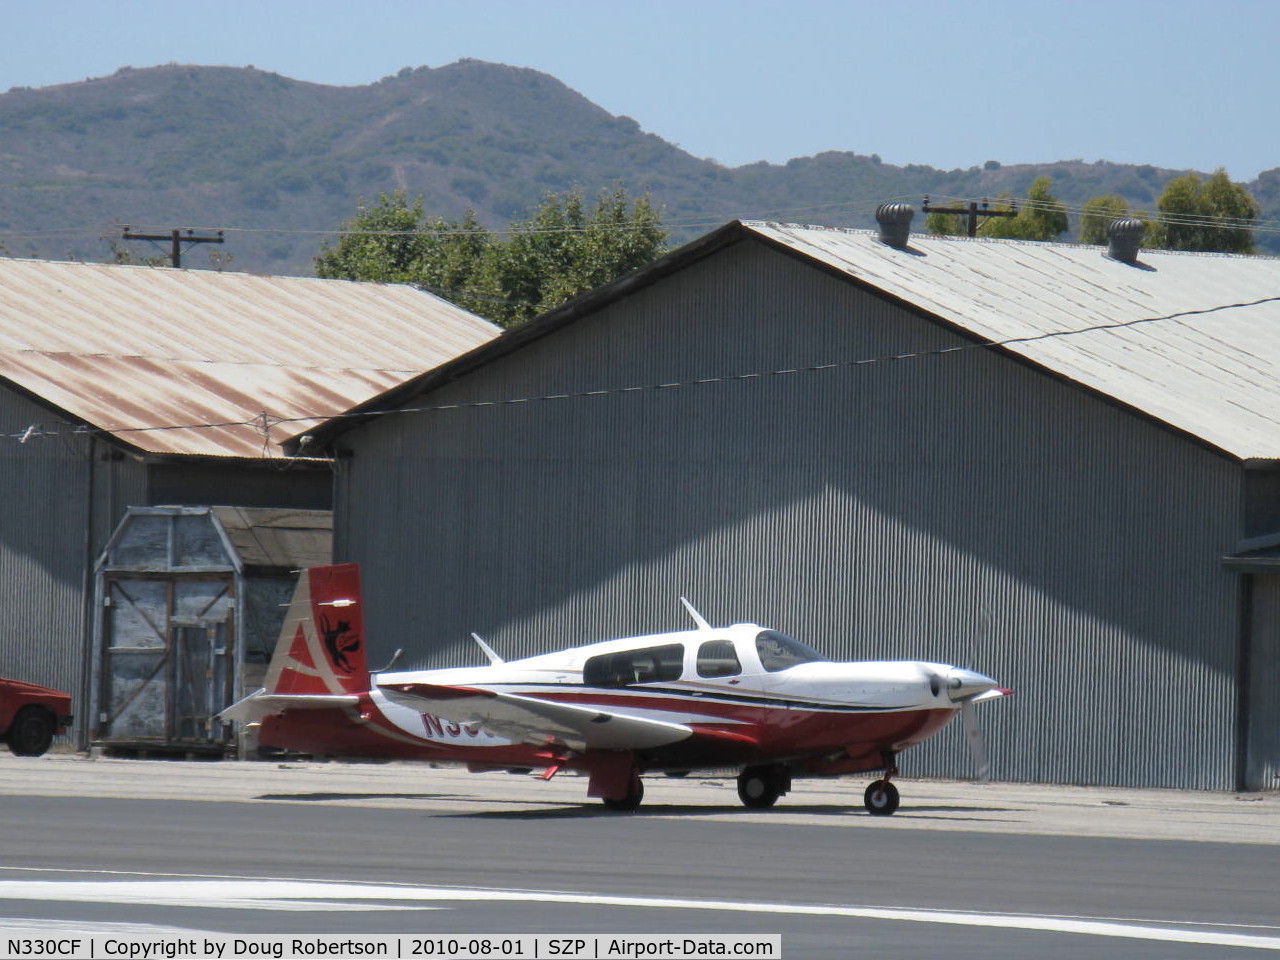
710, 698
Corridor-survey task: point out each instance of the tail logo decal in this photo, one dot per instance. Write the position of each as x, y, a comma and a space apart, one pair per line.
339, 640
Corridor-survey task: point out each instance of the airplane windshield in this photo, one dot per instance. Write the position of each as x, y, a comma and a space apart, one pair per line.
778, 651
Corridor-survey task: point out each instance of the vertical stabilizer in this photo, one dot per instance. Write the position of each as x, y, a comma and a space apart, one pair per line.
321, 649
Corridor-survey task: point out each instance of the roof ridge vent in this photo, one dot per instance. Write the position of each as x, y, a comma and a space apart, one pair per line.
895, 223
1124, 239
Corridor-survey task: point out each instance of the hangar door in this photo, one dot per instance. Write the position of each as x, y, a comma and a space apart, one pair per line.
167, 658
1261, 680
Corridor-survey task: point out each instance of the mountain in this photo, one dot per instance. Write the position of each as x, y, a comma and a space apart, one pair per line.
277, 162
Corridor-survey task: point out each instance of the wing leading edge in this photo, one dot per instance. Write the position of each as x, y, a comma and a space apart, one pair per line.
531, 720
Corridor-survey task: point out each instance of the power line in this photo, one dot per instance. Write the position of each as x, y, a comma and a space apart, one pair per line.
177, 242
264, 422
971, 211
1181, 219
859, 205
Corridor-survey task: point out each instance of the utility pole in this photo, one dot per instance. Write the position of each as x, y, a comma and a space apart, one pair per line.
176, 240
973, 212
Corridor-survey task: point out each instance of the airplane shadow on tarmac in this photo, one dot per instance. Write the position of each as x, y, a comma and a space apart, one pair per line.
660, 810
543, 811
321, 797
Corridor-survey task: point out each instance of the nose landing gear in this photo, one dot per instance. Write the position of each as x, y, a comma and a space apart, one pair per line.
881, 798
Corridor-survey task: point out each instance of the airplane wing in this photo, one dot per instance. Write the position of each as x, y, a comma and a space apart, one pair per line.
260, 703
530, 720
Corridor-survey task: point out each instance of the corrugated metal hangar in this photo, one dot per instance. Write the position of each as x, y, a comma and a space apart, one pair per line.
1050, 464
125, 386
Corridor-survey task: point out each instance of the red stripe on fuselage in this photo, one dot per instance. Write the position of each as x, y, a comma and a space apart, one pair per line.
742, 733
765, 730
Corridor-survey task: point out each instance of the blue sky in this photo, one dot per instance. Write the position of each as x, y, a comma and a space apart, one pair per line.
950, 84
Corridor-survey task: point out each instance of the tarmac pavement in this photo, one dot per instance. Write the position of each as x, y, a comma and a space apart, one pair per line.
1000, 808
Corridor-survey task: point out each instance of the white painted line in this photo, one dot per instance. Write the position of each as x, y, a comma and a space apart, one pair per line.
293, 895
289, 895
56, 929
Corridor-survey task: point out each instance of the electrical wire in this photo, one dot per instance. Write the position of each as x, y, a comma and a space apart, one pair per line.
1080, 209
852, 208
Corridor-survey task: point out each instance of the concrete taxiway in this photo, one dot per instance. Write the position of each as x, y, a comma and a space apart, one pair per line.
1003, 808
992, 871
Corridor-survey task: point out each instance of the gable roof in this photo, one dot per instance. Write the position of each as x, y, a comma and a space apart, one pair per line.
1211, 372
119, 348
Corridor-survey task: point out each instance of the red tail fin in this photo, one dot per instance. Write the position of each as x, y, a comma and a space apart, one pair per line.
321, 648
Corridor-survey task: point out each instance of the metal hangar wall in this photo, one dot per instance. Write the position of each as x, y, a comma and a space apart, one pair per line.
965, 507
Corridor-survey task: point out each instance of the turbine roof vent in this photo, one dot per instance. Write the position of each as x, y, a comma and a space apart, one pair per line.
1124, 239
895, 223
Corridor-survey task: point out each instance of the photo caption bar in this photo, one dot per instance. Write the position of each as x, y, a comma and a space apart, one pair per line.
400, 946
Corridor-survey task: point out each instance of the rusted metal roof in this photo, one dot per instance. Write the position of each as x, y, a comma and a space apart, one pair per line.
150, 355
1212, 372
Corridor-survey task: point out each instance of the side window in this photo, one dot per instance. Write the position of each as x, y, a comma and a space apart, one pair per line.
648, 665
717, 658
778, 651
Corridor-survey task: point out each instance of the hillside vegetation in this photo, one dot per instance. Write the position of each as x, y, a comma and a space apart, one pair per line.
276, 162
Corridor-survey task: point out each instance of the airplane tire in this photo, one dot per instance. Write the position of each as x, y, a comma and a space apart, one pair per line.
881, 798
630, 802
760, 787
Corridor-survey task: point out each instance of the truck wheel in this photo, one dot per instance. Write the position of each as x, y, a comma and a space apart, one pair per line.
31, 733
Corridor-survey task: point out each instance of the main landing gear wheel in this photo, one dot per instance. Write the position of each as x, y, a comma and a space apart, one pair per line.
760, 787
631, 801
881, 798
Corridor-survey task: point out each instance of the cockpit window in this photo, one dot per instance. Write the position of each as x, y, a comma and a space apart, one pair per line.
717, 658
778, 651
621, 669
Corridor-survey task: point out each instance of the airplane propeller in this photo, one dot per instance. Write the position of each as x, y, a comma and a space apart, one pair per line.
963, 687
977, 743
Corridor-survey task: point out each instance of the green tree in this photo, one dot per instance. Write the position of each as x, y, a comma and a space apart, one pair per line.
392, 241
1041, 216
1212, 215
1098, 214
945, 224
562, 250
382, 243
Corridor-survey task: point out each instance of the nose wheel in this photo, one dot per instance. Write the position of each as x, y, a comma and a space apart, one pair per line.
881, 798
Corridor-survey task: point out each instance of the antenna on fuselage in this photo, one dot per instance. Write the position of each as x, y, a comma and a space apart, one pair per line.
697, 617
390, 663
489, 652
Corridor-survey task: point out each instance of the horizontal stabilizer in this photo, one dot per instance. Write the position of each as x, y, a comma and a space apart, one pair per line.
260, 704
531, 720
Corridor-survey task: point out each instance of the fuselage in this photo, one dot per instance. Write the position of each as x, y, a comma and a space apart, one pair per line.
748, 694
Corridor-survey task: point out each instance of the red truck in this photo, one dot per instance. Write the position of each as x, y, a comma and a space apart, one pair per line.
31, 715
